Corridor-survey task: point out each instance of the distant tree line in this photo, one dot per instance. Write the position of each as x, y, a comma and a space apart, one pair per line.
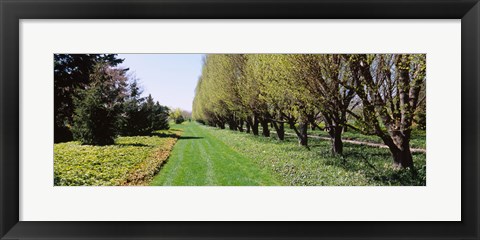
375, 94
179, 116
95, 101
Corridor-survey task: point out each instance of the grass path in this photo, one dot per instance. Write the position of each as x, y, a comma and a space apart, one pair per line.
201, 159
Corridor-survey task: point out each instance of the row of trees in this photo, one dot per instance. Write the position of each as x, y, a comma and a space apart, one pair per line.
96, 101
376, 94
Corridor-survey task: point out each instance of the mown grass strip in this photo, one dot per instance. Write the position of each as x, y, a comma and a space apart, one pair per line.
200, 159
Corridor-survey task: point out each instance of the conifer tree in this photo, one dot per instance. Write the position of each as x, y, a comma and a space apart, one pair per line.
160, 120
133, 117
99, 106
71, 76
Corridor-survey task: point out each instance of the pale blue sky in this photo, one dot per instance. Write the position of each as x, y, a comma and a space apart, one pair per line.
170, 78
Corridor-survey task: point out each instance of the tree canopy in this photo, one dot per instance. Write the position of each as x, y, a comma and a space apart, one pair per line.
377, 94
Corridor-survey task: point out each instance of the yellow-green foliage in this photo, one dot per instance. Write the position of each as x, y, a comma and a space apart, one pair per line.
130, 161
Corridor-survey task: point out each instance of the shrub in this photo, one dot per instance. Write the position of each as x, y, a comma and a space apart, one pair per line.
179, 119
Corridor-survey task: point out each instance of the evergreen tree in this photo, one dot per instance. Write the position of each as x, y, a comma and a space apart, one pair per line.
156, 115
148, 110
160, 121
71, 76
133, 117
98, 106
141, 116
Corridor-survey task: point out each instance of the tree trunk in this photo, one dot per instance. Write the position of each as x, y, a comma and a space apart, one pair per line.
399, 146
301, 132
247, 123
232, 124
265, 130
335, 133
221, 125
255, 126
280, 129
240, 125
337, 146
303, 137
402, 158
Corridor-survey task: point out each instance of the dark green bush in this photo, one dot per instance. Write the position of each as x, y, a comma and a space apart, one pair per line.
179, 119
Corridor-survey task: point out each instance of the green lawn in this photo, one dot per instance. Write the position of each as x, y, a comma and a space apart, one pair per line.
298, 166
201, 159
208, 156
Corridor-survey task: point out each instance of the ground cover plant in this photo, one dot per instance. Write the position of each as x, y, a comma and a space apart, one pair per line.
130, 161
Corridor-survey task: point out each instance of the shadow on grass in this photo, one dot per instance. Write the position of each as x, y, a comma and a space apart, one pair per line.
373, 164
132, 144
173, 135
165, 135
189, 137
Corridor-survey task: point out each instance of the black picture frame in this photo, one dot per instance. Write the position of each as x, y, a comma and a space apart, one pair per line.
12, 11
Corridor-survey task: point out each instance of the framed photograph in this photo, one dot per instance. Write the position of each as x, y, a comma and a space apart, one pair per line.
239, 119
